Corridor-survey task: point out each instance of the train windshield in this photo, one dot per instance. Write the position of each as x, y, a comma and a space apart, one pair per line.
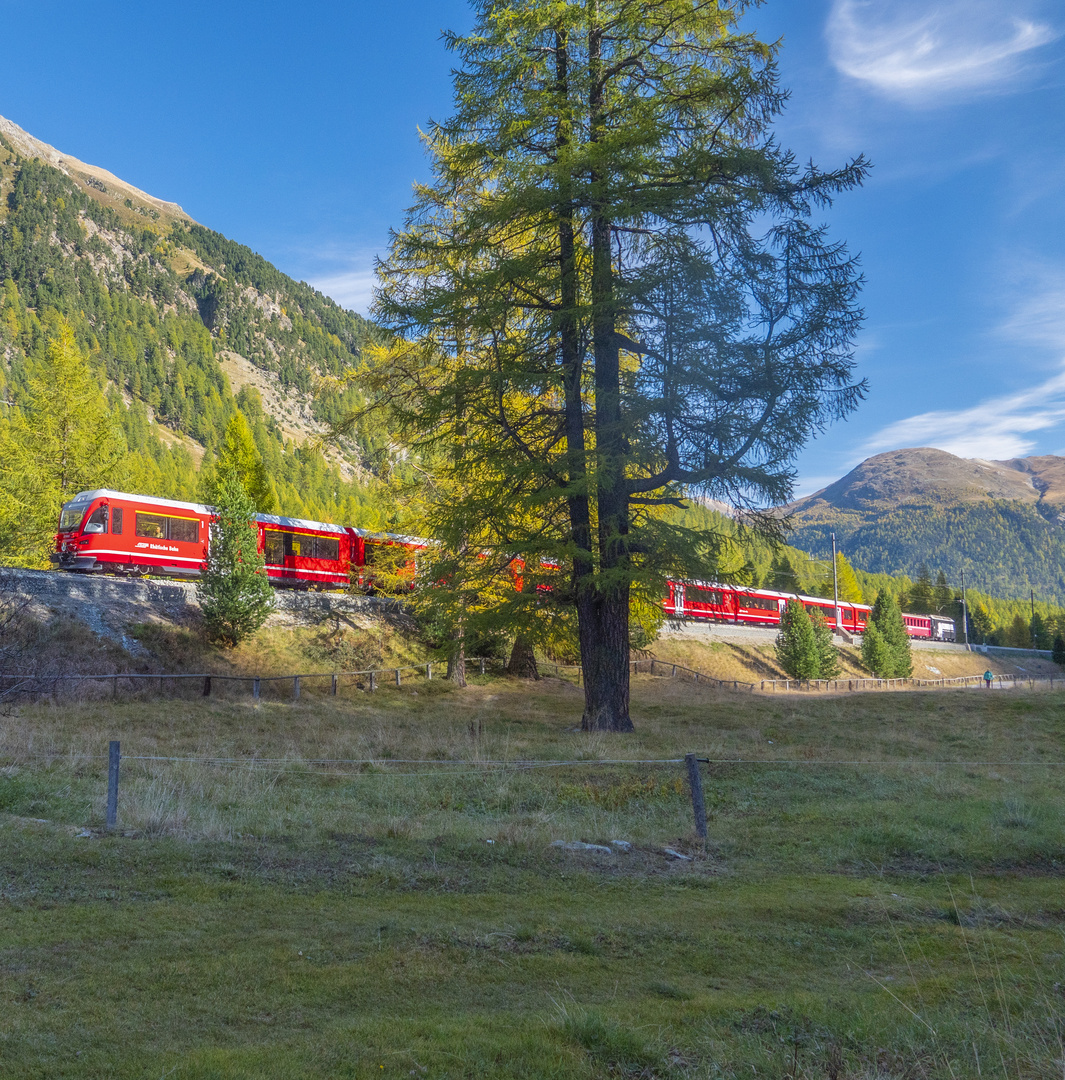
71, 519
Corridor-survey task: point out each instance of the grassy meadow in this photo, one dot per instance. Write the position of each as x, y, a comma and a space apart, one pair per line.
880, 895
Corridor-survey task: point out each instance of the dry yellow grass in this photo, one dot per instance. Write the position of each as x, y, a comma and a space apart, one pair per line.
752, 663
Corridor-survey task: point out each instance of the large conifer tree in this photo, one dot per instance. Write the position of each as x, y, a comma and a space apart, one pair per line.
614, 281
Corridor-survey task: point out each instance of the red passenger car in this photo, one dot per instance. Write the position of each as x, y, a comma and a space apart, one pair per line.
304, 553
384, 562
132, 534
755, 607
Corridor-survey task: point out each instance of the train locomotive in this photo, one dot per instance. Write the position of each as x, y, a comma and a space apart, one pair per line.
115, 532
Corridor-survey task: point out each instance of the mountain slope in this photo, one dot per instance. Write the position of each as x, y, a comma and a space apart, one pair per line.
169, 312
999, 522
925, 475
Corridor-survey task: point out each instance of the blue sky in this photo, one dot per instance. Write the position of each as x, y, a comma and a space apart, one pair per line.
293, 129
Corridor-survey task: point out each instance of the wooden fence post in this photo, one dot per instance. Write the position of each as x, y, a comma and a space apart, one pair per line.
113, 757
398, 680
373, 681
482, 665
428, 672
295, 688
334, 686
255, 689
695, 782
207, 686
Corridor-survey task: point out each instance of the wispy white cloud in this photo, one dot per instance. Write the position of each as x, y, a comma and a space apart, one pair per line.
351, 289
996, 428
919, 51
1038, 316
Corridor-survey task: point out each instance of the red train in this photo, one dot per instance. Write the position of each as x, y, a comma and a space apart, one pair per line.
710, 602
115, 532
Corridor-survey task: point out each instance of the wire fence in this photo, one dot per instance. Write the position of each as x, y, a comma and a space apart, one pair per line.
372, 679
464, 767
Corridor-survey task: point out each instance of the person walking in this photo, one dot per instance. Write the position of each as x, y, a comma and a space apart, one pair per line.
988, 678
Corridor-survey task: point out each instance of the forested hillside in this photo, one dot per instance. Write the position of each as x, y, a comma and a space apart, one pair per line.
998, 522
1005, 548
156, 304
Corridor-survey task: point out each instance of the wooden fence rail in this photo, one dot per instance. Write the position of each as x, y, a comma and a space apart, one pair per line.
36, 684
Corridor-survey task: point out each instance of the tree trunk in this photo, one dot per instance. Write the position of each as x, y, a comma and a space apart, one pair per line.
523, 659
456, 661
604, 633
603, 605
456, 668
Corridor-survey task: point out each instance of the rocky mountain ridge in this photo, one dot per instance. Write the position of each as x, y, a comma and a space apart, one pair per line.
99, 184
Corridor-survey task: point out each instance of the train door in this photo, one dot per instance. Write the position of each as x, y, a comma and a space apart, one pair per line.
678, 600
297, 546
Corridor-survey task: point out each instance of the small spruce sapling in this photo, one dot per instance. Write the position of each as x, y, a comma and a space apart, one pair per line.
887, 618
797, 647
827, 653
1058, 652
234, 592
876, 655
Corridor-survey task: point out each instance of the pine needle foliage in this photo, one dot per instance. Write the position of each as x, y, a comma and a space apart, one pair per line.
238, 455
876, 654
1058, 651
613, 286
886, 645
234, 592
850, 592
798, 651
827, 654
63, 438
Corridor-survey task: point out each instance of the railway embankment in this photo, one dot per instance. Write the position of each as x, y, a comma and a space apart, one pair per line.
109, 606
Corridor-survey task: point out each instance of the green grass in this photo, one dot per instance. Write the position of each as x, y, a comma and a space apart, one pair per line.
293, 920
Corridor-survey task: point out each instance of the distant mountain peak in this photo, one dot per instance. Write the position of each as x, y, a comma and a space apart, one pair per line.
101, 185
923, 475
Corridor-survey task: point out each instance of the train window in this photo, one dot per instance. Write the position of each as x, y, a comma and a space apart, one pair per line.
116, 520
98, 517
293, 544
326, 548
705, 596
185, 530
160, 527
71, 519
273, 547
153, 526
370, 553
762, 603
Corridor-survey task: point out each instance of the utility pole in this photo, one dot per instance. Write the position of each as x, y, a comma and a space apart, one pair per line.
965, 614
1032, 591
835, 586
